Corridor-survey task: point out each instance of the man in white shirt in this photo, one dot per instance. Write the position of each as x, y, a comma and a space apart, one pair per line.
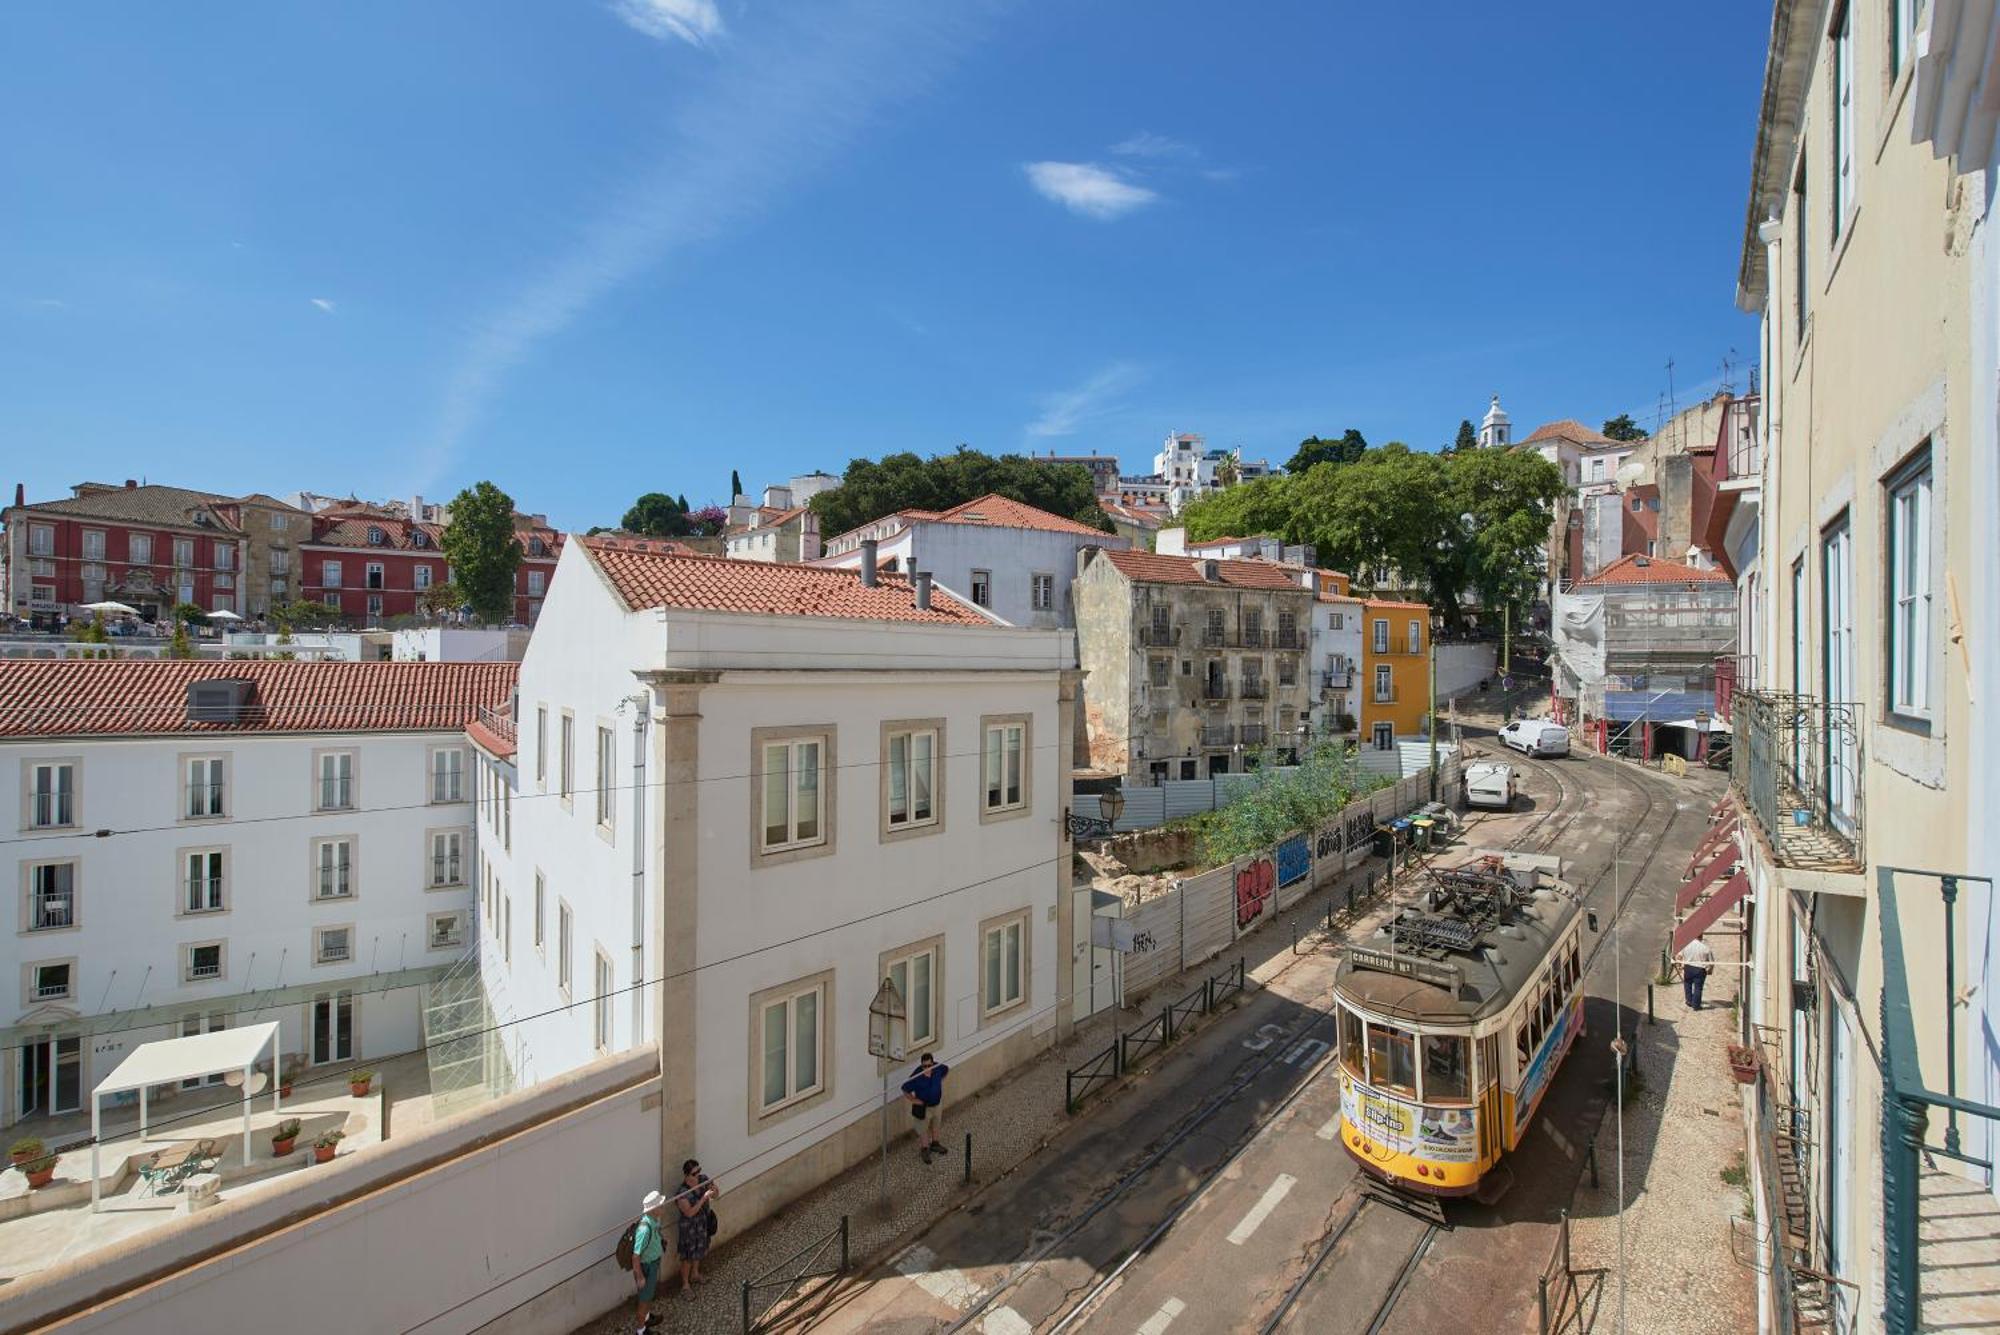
1696, 960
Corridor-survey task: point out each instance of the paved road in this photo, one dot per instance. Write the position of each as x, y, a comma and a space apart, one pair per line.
1152, 1223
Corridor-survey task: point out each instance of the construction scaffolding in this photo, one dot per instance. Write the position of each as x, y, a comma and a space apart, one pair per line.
1634, 657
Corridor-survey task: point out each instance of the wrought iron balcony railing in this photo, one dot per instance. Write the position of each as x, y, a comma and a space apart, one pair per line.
498, 721
1909, 1304
1255, 734
1215, 688
1159, 637
1336, 679
1218, 734
1289, 639
1797, 762
1733, 672
1256, 688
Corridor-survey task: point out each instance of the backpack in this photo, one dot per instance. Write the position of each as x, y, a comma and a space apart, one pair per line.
628, 1244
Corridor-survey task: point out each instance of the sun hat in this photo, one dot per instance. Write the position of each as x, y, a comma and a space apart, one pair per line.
654, 1200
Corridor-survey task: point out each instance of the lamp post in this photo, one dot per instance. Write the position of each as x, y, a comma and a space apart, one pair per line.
1110, 806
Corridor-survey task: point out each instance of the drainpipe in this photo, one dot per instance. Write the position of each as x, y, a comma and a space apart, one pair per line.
642, 708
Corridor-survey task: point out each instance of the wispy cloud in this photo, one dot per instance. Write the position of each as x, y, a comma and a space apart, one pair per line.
1146, 144
783, 104
695, 22
323, 304
1066, 410
1086, 188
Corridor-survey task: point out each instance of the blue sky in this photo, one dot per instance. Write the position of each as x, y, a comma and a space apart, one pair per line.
594, 249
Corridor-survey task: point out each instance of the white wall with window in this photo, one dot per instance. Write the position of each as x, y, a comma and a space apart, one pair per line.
238, 879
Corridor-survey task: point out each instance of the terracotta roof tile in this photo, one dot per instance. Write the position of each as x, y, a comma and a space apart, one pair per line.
148, 697
765, 588
998, 511
1152, 568
169, 507
1571, 430
1133, 514
1652, 570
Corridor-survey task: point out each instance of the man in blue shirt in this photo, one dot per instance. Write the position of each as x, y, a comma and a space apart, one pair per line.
924, 1091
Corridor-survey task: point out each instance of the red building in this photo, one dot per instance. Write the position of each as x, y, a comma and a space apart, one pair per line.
373, 566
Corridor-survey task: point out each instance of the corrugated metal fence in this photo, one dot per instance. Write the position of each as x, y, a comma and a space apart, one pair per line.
1146, 808
1201, 916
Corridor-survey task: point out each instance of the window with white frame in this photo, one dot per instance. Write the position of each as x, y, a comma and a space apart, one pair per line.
565, 934
1385, 684
421, 575
1843, 120
1381, 636
329, 574
41, 540
600, 1010
1002, 984
336, 780
183, 553
790, 1041
374, 604
566, 760
204, 788
1336, 620
791, 793
203, 887
1383, 736
281, 563
1042, 592
539, 927
333, 869
912, 778
447, 857
1005, 766
333, 945
915, 977
225, 556
51, 794
1909, 579
201, 961
982, 587
51, 896
139, 549
1902, 34
1416, 636
607, 777
541, 746
537, 583
445, 931
93, 544
448, 774
507, 928
53, 980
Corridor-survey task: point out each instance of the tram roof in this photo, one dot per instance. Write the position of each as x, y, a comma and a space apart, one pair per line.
1490, 976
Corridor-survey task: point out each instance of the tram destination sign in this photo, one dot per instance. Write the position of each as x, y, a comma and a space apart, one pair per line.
1438, 973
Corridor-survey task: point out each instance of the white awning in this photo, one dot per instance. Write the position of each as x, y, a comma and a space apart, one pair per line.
166, 1060
1714, 724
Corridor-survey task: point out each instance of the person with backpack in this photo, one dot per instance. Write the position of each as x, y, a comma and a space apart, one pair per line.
697, 1224
640, 1250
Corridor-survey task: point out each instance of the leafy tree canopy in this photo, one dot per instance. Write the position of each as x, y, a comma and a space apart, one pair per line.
1622, 427
1468, 439
484, 554
1313, 451
872, 488
656, 515
735, 485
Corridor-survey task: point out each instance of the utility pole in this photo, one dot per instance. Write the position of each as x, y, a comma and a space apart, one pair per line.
1433, 724
1506, 637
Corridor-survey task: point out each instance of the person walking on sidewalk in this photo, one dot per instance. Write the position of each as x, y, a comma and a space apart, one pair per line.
1696, 961
648, 1247
925, 1092
697, 1223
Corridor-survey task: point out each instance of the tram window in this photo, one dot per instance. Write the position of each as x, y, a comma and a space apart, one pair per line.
1447, 1073
1523, 1043
1548, 1003
1352, 1052
1392, 1059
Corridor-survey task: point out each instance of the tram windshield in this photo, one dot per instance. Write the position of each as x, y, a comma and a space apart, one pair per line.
1352, 1053
1447, 1068
1392, 1059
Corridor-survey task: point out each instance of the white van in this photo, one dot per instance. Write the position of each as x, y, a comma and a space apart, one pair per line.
1536, 737
1490, 784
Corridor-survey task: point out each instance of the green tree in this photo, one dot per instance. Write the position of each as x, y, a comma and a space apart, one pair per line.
441, 600
91, 631
303, 614
682, 501
1313, 451
872, 488
1261, 505
1622, 427
735, 485
179, 645
656, 515
1504, 501
484, 554
1468, 439
187, 614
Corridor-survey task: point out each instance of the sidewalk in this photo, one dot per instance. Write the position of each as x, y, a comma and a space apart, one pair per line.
1684, 1176
1009, 1121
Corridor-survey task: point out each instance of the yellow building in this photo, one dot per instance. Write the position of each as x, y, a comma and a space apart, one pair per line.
1395, 671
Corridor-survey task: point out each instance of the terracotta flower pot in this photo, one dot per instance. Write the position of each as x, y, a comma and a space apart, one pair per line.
41, 1179
1743, 1064
359, 1088
323, 1153
280, 1148
285, 1090
22, 1156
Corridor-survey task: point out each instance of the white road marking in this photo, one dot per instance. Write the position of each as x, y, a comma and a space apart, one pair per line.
1568, 1150
1157, 1323
1006, 1321
950, 1287
1331, 1131
1267, 1034
1305, 1050
1262, 1209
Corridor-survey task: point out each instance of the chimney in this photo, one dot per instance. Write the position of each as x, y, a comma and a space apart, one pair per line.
923, 578
20, 493
1085, 555
131, 484
868, 546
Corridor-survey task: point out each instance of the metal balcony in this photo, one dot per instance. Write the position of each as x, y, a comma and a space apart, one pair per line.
1215, 688
1256, 688
1218, 734
1293, 639
498, 721
1255, 734
1732, 672
1336, 679
1797, 762
1159, 637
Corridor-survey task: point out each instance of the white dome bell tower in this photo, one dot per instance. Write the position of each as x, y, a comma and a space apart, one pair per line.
1495, 429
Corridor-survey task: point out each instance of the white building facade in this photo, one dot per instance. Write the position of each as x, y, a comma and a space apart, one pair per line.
739, 796
205, 844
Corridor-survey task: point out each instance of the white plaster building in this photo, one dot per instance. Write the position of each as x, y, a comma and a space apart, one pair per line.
203, 844
1009, 558
1190, 469
735, 797
1496, 429
1335, 661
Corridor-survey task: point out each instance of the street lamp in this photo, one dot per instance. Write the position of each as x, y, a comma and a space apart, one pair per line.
1110, 807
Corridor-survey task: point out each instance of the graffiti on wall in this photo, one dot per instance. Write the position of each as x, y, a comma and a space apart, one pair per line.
1294, 860
1256, 880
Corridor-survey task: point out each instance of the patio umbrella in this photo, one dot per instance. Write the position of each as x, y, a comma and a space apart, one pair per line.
119, 608
223, 616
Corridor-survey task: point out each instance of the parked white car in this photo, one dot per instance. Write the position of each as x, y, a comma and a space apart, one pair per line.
1536, 737
1490, 784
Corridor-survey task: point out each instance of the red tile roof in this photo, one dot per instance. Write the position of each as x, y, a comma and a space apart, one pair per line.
1653, 570
1397, 602
765, 588
998, 511
1571, 430
1133, 514
148, 697
492, 740
1152, 568
348, 527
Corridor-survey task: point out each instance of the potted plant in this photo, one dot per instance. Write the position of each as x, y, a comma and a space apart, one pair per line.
358, 1082
1743, 1063
285, 1086
40, 1171
323, 1147
26, 1148
283, 1136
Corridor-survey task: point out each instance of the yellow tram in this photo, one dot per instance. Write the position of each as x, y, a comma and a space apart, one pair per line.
1453, 1020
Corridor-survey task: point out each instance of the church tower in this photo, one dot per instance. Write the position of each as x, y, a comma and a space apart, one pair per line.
1495, 429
